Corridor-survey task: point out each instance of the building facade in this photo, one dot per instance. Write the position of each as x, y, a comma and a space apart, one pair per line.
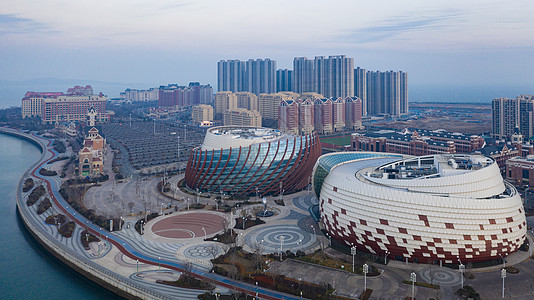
202, 113
91, 155
57, 107
247, 100
284, 80
135, 95
416, 142
244, 161
387, 93
241, 117
303, 75
177, 96
231, 76
334, 76
427, 209
510, 115
224, 101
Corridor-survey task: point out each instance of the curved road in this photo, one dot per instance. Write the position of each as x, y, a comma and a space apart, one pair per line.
127, 249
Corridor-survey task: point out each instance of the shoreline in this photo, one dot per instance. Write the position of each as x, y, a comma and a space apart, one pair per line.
83, 268
101, 274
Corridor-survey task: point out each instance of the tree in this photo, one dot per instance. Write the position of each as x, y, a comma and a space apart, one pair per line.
257, 250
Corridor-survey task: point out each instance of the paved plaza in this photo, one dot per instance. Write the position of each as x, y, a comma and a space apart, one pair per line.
291, 228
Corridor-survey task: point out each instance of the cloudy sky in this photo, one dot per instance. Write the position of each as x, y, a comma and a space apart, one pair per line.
450, 49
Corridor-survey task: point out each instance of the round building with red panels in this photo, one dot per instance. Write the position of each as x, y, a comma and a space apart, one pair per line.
250, 161
447, 208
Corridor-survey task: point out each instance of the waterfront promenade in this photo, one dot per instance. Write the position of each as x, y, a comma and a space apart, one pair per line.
125, 262
132, 263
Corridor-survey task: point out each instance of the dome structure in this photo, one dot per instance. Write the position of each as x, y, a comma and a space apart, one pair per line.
446, 207
246, 161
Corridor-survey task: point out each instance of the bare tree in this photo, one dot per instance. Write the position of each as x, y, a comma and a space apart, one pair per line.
212, 250
257, 250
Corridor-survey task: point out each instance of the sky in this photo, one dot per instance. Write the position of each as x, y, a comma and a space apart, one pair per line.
453, 50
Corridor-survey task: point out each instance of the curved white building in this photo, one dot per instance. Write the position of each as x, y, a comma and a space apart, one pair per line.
439, 207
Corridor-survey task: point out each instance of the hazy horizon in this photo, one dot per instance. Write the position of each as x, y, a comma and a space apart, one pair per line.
452, 50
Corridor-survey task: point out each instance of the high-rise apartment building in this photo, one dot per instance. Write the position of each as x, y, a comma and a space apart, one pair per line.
202, 113
260, 76
303, 75
510, 115
255, 75
241, 117
284, 80
334, 76
387, 93
224, 100
360, 87
231, 75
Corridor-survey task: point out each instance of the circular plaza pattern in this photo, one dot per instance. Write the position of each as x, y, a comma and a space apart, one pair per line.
202, 251
292, 237
440, 276
189, 225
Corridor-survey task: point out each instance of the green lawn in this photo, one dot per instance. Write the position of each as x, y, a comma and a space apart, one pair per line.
338, 140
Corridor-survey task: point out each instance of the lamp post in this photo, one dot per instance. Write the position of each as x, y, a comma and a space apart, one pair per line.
413, 278
365, 271
386, 258
187, 203
461, 268
137, 265
353, 252
299, 245
280, 191
159, 263
503, 260
281, 246
313, 229
204, 229
264, 200
198, 195
309, 184
503, 275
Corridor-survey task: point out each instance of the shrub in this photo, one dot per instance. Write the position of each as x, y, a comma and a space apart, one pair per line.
44, 206
67, 229
28, 185
46, 172
35, 195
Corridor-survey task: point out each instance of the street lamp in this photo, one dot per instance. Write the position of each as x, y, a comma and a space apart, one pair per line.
264, 200
365, 271
137, 265
503, 275
503, 260
413, 278
280, 191
187, 203
313, 229
281, 246
204, 229
353, 252
386, 257
461, 268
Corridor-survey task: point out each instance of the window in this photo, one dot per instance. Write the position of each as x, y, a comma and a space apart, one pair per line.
526, 174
